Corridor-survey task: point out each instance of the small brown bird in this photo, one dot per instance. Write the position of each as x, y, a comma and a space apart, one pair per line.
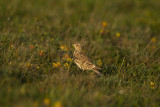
82, 60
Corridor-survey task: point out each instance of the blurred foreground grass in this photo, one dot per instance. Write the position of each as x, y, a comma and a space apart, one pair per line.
122, 37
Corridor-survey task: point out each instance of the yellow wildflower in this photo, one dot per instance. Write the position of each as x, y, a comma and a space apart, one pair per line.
152, 87
104, 24
11, 45
66, 57
99, 62
37, 67
63, 47
56, 64
118, 34
35, 104
46, 101
66, 65
57, 104
28, 64
41, 53
101, 31
69, 59
153, 40
151, 83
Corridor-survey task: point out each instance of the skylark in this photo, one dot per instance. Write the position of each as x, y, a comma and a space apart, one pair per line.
82, 60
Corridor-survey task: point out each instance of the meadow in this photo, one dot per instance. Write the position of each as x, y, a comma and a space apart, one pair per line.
120, 36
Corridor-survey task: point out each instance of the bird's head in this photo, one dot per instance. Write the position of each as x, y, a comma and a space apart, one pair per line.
77, 46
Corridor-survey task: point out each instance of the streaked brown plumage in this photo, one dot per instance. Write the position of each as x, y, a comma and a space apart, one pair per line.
82, 60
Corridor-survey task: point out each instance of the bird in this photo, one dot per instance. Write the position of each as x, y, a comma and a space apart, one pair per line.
83, 61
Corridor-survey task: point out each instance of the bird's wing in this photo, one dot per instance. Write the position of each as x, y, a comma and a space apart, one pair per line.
88, 64
78, 63
83, 55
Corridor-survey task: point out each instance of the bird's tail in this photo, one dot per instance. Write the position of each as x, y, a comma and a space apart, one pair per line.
97, 71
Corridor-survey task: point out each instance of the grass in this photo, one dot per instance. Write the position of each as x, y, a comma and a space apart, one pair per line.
35, 34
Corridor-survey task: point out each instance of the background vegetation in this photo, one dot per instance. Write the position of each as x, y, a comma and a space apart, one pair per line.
120, 36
